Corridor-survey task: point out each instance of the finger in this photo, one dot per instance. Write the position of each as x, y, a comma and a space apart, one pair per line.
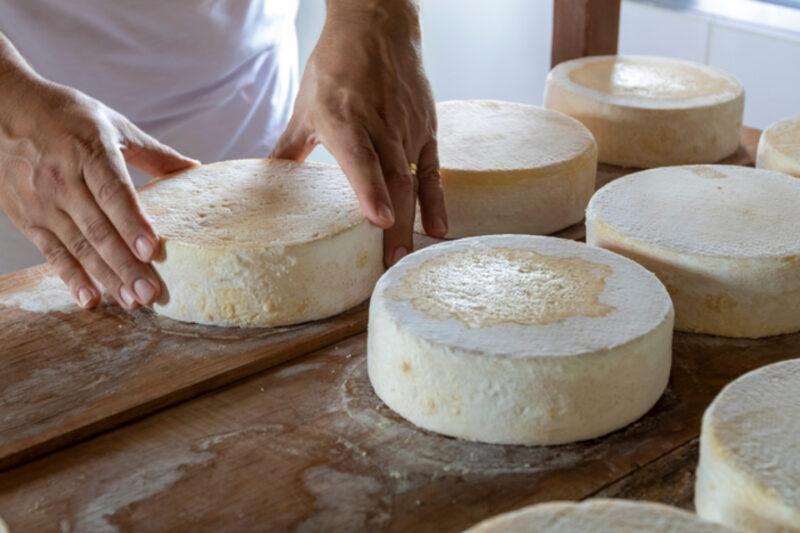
67, 268
431, 194
82, 250
355, 153
107, 178
398, 239
151, 156
102, 236
293, 144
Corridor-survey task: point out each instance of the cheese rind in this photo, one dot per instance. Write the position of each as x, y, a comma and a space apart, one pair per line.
519, 339
647, 111
723, 239
261, 243
748, 476
512, 168
597, 515
779, 147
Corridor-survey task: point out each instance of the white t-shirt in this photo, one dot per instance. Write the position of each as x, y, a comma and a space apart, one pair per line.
215, 79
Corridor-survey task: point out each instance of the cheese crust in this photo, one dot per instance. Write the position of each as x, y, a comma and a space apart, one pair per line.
261, 243
512, 168
647, 111
599, 516
748, 476
779, 147
519, 340
723, 239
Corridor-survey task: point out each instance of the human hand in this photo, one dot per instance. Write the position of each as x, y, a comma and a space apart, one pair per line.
64, 184
365, 97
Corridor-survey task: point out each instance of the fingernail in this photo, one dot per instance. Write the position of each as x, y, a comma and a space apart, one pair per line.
144, 247
385, 213
127, 297
399, 253
144, 291
85, 296
439, 227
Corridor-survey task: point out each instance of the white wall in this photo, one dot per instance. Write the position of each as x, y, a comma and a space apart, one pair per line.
472, 51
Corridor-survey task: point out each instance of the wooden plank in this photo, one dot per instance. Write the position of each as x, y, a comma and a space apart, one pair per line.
67, 373
308, 445
668, 480
584, 28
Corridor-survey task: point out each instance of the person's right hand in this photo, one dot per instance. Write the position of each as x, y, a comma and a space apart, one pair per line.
64, 184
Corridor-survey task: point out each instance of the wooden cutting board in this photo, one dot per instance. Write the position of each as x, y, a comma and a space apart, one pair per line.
67, 374
308, 446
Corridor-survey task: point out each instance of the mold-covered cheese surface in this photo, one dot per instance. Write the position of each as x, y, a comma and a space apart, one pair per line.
723, 239
261, 243
598, 516
512, 168
749, 471
519, 339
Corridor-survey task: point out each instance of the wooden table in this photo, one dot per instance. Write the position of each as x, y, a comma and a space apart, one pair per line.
303, 445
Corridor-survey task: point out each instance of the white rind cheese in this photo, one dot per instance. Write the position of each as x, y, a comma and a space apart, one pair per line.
597, 516
749, 471
261, 243
779, 147
519, 339
512, 168
723, 239
649, 111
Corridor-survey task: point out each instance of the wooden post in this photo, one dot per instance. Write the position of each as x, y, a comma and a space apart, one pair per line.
584, 28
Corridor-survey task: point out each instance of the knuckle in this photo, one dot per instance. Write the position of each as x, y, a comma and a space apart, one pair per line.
110, 190
400, 179
99, 231
363, 152
81, 248
128, 267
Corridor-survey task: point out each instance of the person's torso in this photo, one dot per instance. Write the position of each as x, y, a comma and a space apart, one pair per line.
214, 78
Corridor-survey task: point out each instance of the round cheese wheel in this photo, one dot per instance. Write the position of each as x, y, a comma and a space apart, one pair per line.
749, 471
650, 111
779, 147
597, 516
723, 239
512, 168
261, 242
519, 339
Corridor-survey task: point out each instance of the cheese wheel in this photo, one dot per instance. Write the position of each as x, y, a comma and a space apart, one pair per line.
597, 516
723, 239
749, 471
261, 243
779, 147
650, 111
519, 339
512, 168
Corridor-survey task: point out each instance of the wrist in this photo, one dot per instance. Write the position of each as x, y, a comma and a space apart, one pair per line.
398, 18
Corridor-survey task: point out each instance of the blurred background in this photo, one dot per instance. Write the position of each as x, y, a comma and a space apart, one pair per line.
501, 49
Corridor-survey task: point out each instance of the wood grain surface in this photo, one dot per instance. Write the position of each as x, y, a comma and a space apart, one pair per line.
307, 446
66, 373
279, 448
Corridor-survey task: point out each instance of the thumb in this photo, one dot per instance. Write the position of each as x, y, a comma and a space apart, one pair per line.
151, 156
292, 145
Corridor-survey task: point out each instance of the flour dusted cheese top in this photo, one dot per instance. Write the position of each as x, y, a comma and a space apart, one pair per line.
779, 147
495, 136
261, 243
707, 210
259, 202
523, 296
754, 426
600, 516
648, 81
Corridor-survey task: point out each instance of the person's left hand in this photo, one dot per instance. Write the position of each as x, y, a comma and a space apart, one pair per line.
365, 97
